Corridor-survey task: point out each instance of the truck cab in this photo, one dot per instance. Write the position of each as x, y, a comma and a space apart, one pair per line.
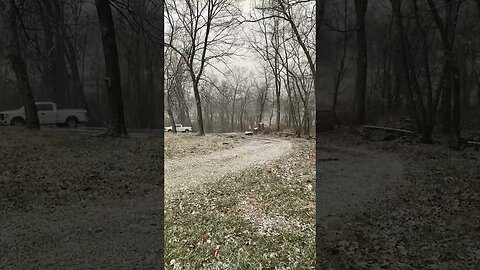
48, 114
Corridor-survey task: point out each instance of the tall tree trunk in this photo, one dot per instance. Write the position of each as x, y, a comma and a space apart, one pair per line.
169, 104
478, 8
456, 109
17, 62
117, 118
48, 64
201, 131
161, 55
447, 29
170, 114
271, 116
318, 233
79, 95
361, 76
232, 120
61, 91
341, 70
414, 97
478, 93
319, 12
150, 87
278, 106
447, 100
276, 38
263, 99
288, 87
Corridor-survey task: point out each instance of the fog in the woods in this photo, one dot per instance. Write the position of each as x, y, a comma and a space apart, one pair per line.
232, 66
398, 121
387, 91
61, 45
410, 64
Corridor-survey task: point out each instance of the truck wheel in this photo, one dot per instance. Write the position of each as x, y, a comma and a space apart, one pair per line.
18, 121
72, 122
187, 131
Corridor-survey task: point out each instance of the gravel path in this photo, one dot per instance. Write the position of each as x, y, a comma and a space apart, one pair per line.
351, 178
190, 172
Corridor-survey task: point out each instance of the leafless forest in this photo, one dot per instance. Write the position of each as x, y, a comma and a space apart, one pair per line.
229, 65
389, 88
102, 56
411, 64
234, 65
398, 133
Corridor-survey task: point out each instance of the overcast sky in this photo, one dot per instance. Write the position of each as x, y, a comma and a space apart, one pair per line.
250, 60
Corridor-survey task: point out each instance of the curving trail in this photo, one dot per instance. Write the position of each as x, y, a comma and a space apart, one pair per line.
191, 172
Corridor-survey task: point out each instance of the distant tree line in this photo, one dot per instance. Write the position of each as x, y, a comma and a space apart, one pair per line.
206, 88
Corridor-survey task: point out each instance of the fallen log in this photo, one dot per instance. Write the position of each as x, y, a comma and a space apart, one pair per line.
475, 144
390, 129
327, 159
286, 134
377, 133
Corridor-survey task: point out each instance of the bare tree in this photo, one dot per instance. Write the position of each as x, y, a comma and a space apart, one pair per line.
15, 43
361, 77
340, 74
319, 14
206, 31
113, 84
269, 49
262, 95
451, 97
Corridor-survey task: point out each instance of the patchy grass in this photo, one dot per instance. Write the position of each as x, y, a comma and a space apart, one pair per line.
262, 218
180, 145
433, 223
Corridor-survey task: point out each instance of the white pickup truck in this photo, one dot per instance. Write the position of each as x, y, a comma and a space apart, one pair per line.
179, 128
48, 114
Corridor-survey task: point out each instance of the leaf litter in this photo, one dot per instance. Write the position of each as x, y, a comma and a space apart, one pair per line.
431, 222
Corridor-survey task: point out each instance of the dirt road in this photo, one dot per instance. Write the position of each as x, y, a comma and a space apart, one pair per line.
191, 172
350, 178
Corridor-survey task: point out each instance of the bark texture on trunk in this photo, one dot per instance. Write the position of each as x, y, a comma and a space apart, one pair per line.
201, 131
319, 12
116, 123
361, 76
